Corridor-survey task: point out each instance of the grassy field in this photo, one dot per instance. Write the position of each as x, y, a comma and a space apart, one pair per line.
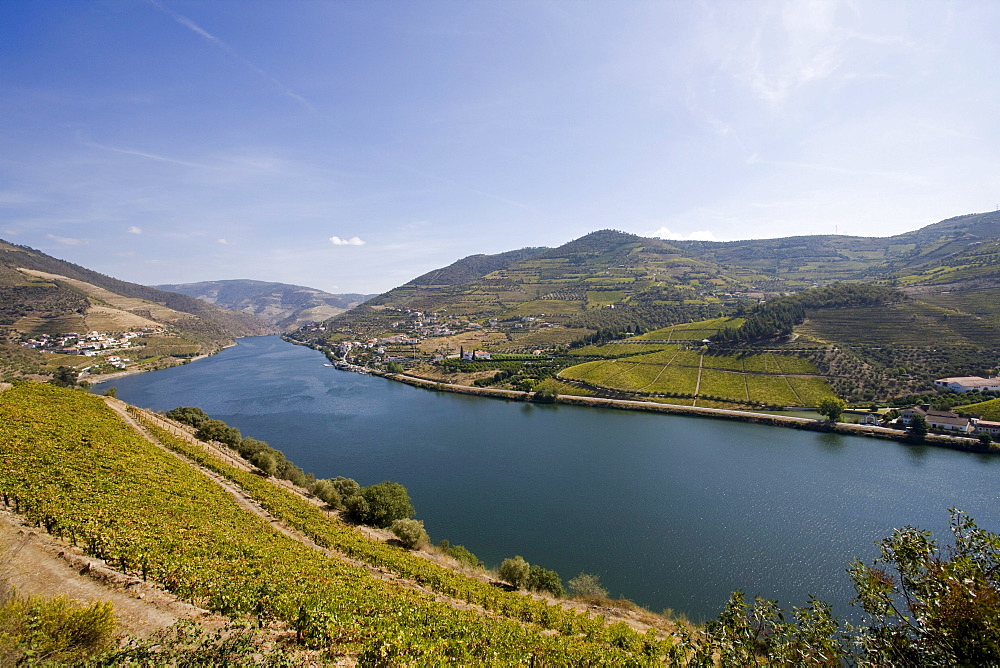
989, 410
757, 379
690, 331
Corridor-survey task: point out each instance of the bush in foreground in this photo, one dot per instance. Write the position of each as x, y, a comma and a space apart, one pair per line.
411, 533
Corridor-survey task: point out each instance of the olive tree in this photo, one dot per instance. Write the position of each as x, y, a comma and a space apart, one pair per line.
515, 571
832, 408
411, 533
927, 606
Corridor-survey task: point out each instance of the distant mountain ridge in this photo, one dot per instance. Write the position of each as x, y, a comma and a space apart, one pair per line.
43, 293
283, 305
609, 279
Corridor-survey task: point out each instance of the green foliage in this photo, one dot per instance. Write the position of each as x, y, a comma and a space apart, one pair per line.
386, 502
65, 376
265, 461
327, 492
190, 415
52, 630
394, 367
411, 533
346, 487
72, 466
832, 408
544, 396
541, 579
777, 317
459, 553
111, 392
760, 635
928, 606
515, 571
587, 585
217, 430
919, 426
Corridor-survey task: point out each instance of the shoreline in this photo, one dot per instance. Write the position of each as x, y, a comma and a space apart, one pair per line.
963, 444
106, 377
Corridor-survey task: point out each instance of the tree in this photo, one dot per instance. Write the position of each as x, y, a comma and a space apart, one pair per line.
387, 502
111, 392
346, 487
65, 376
586, 585
832, 408
265, 461
411, 533
985, 439
930, 606
541, 579
919, 427
191, 415
515, 571
325, 491
217, 430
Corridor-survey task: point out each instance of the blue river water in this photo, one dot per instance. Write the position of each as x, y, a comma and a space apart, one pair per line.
670, 511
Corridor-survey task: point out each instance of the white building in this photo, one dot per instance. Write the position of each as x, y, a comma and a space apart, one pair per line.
968, 384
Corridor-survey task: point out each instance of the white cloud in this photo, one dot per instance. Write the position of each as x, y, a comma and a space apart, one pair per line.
134, 230
226, 243
700, 235
353, 241
67, 241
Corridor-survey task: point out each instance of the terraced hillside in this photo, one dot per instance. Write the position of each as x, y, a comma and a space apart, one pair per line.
136, 493
673, 366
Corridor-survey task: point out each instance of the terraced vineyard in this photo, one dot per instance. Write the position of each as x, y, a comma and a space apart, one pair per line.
678, 374
72, 465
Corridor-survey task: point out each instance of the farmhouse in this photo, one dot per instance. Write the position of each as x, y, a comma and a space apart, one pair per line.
988, 427
968, 384
943, 420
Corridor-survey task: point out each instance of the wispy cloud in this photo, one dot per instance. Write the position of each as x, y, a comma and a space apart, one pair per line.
134, 230
226, 243
700, 235
215, 41
67, 241
353, 241
144, 154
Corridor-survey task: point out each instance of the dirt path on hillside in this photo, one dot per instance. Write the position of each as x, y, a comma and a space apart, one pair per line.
634, 618
35, 563
248, 504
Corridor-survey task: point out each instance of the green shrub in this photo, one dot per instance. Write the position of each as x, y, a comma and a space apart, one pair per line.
411, 533
460, 553
541, 579
325, 491
387, 502
265, 461
37, 630
217, 430
586, 585
191, 415
346, 487
514, 571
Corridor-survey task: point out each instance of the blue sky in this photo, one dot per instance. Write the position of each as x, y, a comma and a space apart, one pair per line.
351, 146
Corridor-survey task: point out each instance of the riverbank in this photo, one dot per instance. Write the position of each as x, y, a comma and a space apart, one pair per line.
104, 378
886, 433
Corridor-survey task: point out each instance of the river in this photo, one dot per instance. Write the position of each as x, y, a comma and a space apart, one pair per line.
670, 511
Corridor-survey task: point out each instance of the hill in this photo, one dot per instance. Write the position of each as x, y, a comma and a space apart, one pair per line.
943, 278
44, 298
280, 304
136, 491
